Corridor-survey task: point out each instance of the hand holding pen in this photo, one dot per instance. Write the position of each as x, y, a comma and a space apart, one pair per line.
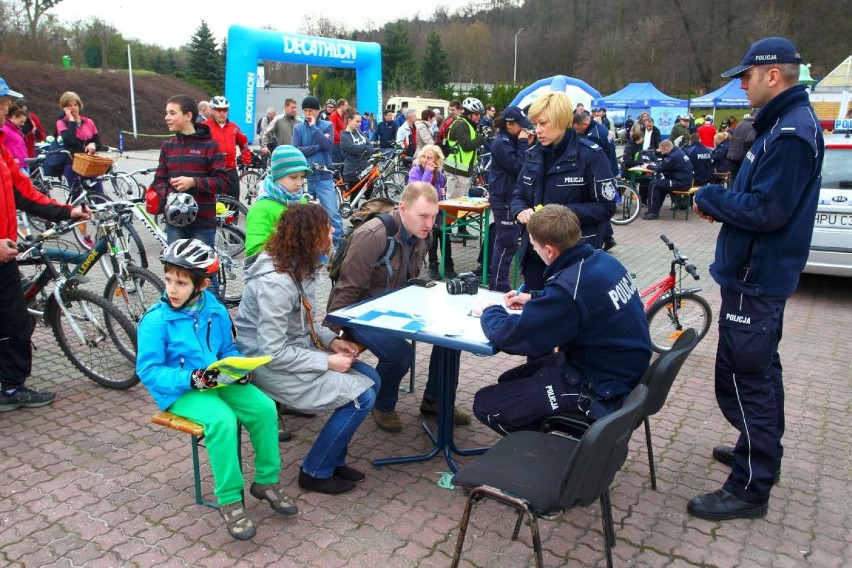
515, 299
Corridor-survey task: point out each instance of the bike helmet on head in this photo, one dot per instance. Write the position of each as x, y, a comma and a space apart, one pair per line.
472, 104
220, 102
192, 255
181, 209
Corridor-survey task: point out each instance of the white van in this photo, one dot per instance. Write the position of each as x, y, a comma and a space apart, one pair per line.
419, 104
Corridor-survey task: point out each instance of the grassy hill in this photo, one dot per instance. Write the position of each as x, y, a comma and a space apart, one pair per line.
106, 98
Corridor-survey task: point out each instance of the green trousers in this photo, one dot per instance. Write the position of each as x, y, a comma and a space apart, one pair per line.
218, 410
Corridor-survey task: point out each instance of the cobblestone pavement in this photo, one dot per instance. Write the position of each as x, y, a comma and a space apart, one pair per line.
89, 481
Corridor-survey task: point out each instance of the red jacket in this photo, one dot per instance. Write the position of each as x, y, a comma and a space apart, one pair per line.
339, 123
33, 132
17, 192
707, 132
228, 136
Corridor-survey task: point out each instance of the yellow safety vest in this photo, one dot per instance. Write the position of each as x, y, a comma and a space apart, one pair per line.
459, 159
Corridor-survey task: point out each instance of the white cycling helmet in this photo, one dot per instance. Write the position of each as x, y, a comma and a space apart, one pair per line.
181, 209
472, 104
192, 255
220, 102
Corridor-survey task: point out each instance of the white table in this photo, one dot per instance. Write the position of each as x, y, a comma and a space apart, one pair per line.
429, 315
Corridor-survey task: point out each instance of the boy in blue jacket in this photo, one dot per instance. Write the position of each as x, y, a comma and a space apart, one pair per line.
589, 309
178, 339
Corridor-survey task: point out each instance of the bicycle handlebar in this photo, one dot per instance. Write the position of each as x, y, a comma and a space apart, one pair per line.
693, 271
666, 240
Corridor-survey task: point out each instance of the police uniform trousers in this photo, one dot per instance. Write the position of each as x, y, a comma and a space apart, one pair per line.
750, 390
659, 189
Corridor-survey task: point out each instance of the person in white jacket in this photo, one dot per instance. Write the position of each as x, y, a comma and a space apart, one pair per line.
312, 369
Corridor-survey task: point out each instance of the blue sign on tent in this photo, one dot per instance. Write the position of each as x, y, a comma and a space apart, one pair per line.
728, 96
646, 97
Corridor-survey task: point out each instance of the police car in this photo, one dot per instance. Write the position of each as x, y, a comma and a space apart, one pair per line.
831, 245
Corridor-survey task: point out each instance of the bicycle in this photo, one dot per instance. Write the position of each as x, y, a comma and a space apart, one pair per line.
394, 170
92, 333
670, 308
252, 176
370, 184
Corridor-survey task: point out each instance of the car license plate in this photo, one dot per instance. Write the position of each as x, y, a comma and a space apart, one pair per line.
833, 220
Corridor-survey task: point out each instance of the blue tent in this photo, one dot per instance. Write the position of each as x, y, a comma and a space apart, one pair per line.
638, 97
728, 96
578, 91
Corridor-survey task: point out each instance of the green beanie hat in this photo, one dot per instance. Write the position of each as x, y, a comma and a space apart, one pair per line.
287, 160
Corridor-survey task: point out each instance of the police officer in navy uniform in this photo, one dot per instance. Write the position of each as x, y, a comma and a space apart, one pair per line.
673, 173
566, 169
701, 158
585, 126
767, 220
590, 309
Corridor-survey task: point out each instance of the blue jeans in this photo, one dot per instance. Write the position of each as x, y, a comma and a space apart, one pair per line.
205, 235
323, 190
330, 448
395, 359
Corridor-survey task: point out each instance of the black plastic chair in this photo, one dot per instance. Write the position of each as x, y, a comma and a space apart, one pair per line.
539, 474
659, 379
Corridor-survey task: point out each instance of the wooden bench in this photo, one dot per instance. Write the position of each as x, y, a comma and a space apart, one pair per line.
196, 432
683, 198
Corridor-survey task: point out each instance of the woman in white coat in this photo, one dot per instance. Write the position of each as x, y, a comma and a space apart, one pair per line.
312, 369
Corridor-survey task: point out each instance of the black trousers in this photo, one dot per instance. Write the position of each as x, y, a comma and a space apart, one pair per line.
233, 184
16, 355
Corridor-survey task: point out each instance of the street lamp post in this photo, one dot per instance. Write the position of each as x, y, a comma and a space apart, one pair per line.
515, 67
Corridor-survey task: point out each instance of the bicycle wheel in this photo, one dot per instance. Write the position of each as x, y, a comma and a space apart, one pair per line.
101, 351
125, 186
134, 292
626, 205
391, 191
236, 210
397, 177
231, 246
666, 324
250, 181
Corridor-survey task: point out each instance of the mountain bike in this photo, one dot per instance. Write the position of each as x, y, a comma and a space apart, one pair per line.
670, 308
252, 176
92, 333
627, 203
371, 184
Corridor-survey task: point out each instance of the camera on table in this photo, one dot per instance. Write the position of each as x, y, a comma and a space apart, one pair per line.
464, 283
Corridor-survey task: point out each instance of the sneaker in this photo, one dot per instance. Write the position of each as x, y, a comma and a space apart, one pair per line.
722, 506
237, 522
349, 474
460, 418
387, 421
332, 486
270, 493
24, 397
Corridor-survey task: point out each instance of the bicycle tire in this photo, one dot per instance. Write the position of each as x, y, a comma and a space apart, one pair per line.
250, 181
231, 246
693, 311
235, 206
391, 191
125, 186
397, 177
628, 207
141, 289
103, 356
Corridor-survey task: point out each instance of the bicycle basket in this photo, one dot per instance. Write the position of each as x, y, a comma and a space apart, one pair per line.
87, 165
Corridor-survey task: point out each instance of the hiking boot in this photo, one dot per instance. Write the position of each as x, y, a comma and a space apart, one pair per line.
237, 522
387, 421
349, 474
460, 418
434, 271
270, 493
332, 486
22, 396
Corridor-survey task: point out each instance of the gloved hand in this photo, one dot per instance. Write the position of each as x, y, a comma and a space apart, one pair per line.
202, 379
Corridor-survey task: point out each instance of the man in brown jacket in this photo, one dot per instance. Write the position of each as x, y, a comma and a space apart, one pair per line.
361, 278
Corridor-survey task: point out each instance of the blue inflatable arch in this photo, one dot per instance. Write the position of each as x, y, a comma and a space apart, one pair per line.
246, 46
578, 91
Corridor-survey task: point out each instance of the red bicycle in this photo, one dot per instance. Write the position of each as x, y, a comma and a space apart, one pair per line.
672, 309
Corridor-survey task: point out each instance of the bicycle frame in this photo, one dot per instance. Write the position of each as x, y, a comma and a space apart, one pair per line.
669, 284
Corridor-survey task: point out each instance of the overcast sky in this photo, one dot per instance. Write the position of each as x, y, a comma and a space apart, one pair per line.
161, 22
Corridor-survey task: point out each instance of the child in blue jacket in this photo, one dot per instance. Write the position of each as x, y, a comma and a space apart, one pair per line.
178, 338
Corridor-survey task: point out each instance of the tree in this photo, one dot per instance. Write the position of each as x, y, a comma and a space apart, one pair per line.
205, 61
435, 68
398, 55
34, 10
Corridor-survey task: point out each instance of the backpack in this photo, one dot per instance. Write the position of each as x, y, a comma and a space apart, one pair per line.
259, 128
55, 161
378, 207
443, 135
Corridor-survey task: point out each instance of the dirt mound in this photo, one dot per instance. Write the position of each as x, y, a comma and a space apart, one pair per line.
106, 98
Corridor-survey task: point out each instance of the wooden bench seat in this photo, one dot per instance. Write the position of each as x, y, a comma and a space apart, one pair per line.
683, 198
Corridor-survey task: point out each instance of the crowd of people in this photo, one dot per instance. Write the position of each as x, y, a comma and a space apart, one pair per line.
552, 181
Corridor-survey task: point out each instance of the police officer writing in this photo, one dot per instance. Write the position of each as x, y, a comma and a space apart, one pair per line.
767, 220
673, 173
589, 309
566, 169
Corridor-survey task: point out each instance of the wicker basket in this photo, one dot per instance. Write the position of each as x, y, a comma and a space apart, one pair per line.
87, 165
